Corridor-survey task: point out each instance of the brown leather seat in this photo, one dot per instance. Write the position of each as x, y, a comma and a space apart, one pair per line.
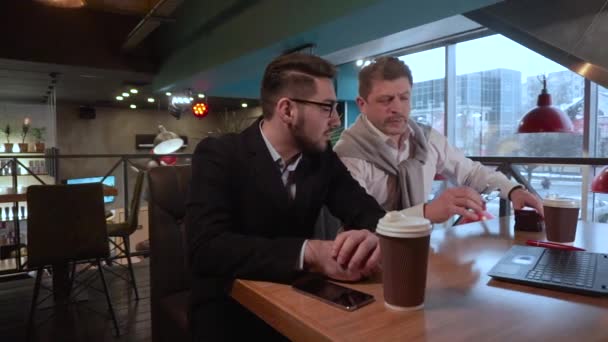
169, 269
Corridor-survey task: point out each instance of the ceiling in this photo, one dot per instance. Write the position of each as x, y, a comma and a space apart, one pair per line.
78, 54
23, 81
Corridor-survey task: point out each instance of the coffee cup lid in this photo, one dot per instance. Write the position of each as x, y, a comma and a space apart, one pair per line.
396, 224
561, 202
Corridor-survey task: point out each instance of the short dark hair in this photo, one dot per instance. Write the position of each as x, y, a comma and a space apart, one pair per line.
292, 75
383, 68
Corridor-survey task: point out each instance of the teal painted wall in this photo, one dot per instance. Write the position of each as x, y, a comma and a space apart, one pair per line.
247, 41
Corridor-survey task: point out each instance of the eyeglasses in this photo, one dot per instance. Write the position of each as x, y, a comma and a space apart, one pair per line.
329, 107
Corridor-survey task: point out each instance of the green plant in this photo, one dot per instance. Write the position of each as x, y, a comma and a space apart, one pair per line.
24, 129
38, 133
7, 131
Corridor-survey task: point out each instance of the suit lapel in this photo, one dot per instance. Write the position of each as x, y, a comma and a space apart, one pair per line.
266, 175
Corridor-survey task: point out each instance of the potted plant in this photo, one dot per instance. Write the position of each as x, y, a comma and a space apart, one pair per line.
8, 146
38, 134
24, 130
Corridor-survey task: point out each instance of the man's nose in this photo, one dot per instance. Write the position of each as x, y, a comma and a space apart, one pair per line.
395, 106
334, 120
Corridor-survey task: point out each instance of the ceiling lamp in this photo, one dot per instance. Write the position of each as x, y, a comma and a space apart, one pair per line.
200, 110
166, 142
600, 182
545, 118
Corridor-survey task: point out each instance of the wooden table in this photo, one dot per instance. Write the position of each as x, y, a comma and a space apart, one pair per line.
462, 302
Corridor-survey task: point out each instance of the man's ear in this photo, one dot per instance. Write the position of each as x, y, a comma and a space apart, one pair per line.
285, 110
361, 104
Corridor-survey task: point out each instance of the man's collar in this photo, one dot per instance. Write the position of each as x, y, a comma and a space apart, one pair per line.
276, 157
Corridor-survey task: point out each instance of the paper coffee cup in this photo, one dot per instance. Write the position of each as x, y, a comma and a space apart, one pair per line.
561, 218
404, 242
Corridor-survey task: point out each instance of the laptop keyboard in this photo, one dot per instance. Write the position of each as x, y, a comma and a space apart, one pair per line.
565, 267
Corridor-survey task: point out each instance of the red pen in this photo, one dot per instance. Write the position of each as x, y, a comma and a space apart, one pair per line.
554, 245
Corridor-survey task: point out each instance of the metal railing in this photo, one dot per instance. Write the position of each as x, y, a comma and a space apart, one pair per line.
13, 163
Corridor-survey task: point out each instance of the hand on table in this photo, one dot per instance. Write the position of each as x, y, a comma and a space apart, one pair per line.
318, 258
522, 198
357, 250
462, 201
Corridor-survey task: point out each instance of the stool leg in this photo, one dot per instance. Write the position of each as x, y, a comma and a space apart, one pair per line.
30, 323
105, 290
126, 241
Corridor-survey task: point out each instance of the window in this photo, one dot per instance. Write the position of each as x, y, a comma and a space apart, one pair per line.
496, 84
428, 92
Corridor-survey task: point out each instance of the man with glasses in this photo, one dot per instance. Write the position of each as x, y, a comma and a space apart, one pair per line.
395, 159
255, 197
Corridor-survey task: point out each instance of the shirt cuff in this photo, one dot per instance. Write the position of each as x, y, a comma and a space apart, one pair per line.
416, 211
301, 259
515, 188
505, 190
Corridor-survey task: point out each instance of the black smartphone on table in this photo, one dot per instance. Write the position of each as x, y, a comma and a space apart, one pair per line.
331, 293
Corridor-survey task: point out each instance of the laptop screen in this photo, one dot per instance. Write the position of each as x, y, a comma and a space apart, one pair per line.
109, 181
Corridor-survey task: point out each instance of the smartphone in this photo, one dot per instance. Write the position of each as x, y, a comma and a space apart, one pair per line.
334, 294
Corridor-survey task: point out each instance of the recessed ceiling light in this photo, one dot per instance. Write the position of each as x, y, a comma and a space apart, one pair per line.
134, 91
125, 94
244, 105
192, 99
201, 96
359, 62
133, 106
168, 93
150, 99
119, 98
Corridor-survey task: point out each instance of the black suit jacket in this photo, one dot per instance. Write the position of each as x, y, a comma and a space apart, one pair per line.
241, 224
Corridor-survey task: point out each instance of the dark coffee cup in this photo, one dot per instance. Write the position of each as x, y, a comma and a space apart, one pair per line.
404, 242
528, 220
561, 218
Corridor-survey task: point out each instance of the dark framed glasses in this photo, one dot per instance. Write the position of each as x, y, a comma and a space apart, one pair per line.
330, 107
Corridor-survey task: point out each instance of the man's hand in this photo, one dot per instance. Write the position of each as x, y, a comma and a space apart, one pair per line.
521, 198
455, 201
318, 258
357, 250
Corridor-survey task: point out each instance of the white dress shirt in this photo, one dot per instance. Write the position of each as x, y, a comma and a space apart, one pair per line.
442, 159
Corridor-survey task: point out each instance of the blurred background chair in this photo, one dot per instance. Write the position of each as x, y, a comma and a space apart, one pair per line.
169, 268
124, 230
66, 224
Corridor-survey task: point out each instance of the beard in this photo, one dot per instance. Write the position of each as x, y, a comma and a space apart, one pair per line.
306, 144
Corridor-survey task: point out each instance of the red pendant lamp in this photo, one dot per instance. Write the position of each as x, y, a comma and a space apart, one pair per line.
600, 182
545, 118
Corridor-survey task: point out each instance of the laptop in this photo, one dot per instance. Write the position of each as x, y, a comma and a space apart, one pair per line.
570, 271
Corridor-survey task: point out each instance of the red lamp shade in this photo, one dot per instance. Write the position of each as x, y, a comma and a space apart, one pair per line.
439, 177
168, 160
545, 118
600, 182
